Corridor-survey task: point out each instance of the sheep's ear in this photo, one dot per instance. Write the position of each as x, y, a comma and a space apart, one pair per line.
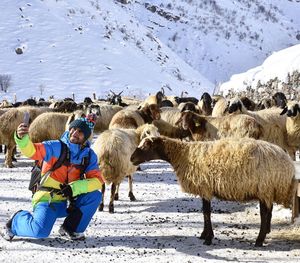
240, 106
284, 111
179, 121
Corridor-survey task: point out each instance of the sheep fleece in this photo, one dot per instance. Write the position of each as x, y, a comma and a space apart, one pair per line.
234, 169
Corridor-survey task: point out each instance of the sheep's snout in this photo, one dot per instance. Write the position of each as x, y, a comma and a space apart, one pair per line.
134, 158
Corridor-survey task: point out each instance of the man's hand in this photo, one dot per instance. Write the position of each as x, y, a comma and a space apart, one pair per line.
66, 190
22, 130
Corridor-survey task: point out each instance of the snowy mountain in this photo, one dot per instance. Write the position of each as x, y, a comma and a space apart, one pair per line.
84, 47
59, 47
279, 71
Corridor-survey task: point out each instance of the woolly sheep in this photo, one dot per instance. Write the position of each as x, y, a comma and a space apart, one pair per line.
219, 106
210, 128
229, 169
86, 109
167, 129
273, 124
292, 110
114, 148
48, 126
9, 121
205, 104
107, 113
129, 118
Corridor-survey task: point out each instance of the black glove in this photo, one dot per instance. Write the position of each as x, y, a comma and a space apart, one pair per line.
66, 190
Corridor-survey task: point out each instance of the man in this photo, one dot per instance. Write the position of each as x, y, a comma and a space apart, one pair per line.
64, 183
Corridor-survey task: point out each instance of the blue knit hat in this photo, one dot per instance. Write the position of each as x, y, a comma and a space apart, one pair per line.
86, 125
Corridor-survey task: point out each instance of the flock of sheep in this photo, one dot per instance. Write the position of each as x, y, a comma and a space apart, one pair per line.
233, 149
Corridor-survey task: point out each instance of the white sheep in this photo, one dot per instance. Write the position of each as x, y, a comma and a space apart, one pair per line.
114, 148
229, 169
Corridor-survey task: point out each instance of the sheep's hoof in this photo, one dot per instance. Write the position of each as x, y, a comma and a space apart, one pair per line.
131, 196
116, 198
258, 243
207, 242
111, 209
101, 207
9, 165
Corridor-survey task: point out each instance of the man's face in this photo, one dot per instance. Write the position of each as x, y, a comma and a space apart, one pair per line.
76, 136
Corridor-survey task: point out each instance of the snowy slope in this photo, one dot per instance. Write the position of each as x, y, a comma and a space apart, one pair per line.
85, 47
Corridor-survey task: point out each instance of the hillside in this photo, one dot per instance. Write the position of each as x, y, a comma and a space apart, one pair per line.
59, 47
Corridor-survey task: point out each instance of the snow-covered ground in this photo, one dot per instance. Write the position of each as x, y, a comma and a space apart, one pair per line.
163, 225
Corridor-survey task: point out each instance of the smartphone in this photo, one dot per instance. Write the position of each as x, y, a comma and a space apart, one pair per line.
26, 118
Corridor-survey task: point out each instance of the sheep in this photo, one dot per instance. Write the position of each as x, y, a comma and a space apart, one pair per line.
210, 128
48, 126
171, 115
188, 106
230, 169
205, 104
249, 104
114, 148
10, 120
154, 99
274, 124
107, 113
86, 109
292, 110
167, 129
219, 104
129, 118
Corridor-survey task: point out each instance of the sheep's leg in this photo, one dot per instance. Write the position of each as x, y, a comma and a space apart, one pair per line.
269, 217
207, 233
101, 206
8, 156
264, 219
112, 197
117, 192
130, 194
1, 150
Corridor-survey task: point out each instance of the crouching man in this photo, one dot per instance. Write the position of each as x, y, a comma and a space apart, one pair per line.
75, 182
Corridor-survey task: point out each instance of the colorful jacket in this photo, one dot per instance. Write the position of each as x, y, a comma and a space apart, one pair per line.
49, 151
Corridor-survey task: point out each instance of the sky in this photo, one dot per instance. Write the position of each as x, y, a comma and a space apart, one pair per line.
163, 225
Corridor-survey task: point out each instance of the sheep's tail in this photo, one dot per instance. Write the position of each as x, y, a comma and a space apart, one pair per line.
106, 166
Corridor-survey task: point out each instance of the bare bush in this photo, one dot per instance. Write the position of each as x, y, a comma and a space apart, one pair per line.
5, 82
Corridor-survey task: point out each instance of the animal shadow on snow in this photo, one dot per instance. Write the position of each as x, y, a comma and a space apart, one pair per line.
190, 245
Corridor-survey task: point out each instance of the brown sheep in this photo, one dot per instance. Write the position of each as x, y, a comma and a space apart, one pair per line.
131, 119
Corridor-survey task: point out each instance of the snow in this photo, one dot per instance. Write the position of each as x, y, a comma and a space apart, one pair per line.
279, 64
75, 47
163, 225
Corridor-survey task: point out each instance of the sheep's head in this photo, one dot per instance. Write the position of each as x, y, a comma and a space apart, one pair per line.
149, 149
189, 106
279, 100
291, 109
235, 106
152, 111
149, 130
93, 109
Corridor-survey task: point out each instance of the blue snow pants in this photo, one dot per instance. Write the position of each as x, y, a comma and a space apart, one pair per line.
40, 223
